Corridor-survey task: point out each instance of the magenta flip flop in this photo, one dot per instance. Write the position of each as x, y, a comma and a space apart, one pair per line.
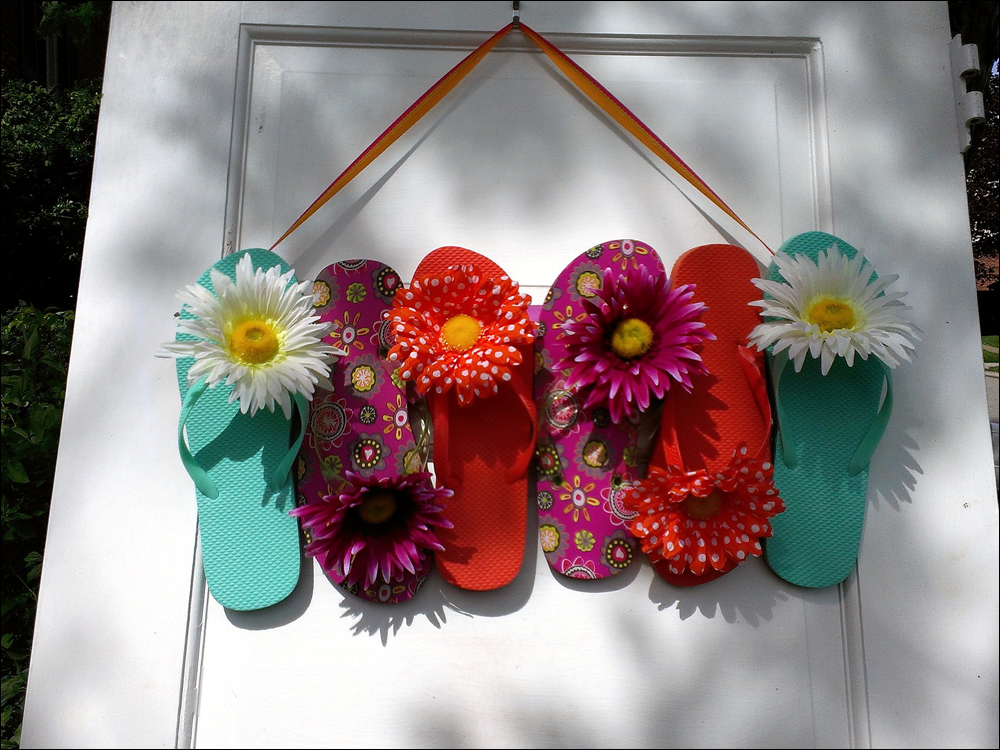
587, 456
368, 508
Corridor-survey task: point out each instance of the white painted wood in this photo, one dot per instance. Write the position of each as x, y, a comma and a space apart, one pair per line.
836, 116
479, 180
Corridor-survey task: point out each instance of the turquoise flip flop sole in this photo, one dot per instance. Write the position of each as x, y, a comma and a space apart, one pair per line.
250, 544
822, 420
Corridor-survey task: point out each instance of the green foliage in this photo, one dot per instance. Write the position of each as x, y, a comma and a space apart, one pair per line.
47, 150
46, 159
990, 357
34, 351
78, 19
983, 183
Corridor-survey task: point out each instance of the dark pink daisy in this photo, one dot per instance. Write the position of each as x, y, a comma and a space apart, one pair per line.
377, 529
636, 336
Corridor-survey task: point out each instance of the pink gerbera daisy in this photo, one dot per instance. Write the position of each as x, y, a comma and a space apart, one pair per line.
636, 335
377, 529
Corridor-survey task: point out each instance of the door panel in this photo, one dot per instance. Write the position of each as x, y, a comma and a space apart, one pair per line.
515, 156
221, 122
520, 166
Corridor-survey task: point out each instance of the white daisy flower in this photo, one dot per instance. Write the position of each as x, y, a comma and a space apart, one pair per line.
258, 335
835, 307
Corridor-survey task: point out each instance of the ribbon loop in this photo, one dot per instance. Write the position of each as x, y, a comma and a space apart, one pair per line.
576, 75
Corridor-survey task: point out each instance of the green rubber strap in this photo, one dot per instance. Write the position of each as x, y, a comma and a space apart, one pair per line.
863, 454
201, 478
788, 453
277, 481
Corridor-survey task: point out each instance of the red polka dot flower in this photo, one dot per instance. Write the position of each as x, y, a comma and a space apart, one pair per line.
700, 522
461, 329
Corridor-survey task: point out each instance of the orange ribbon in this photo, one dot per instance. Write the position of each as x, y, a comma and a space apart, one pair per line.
577, 75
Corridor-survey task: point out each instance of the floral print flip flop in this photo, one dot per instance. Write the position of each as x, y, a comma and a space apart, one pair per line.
612, 337
371, 514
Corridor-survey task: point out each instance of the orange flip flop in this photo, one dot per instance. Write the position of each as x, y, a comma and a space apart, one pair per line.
709, 497
463, 336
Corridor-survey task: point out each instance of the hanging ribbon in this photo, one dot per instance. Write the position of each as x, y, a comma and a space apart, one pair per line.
576, 75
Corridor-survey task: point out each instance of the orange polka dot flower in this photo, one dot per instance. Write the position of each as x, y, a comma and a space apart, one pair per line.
698, 521
460, 328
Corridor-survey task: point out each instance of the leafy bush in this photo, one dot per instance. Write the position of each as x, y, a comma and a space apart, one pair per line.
34, 351
46, 160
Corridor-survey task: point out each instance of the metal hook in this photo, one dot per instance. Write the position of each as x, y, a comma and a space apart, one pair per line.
517, 14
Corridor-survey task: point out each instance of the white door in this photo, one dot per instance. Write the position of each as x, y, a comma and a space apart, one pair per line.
222, 122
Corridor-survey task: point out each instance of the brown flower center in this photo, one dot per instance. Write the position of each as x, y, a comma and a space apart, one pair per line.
378, 506
703, 508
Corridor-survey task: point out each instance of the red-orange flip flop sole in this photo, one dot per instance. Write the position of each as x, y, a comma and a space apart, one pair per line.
475, 448
702, 428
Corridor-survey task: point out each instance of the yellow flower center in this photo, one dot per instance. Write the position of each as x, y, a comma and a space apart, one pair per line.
831, 314
254, 342
378, 506
632, 338
703, 508
461, 332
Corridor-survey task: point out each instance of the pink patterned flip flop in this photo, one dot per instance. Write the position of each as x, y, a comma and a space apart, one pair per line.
613, 336
367, 506
584, 460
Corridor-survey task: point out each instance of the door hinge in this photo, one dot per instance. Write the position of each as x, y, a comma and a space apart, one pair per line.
968, 104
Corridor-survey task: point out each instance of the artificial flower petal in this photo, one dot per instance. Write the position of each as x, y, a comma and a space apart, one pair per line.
696, 521
364, 552
462, 329
875, 324
623, 383
272, 306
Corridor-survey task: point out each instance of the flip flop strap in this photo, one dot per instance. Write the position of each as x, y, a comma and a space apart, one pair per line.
608, 103
280, 475
517, 470
202, 480
863, 454
752, 364
789, 455
205, 484
668, 442
439, 422
524, 458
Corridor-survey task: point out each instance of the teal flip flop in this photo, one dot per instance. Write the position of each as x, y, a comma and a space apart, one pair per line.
240, 465
832, 388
